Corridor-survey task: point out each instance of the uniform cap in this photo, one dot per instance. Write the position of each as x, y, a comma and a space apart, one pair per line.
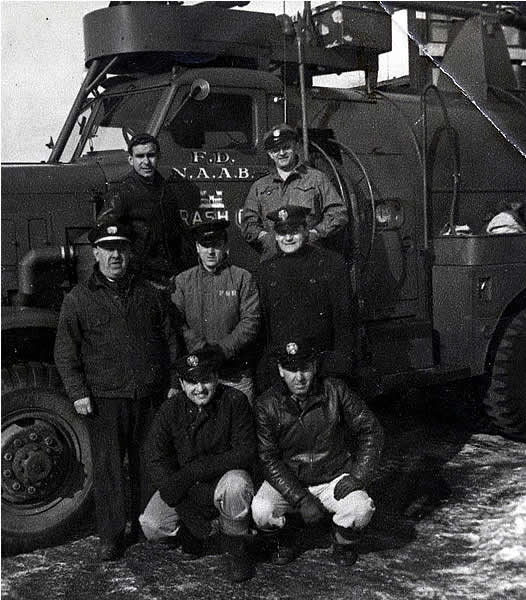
288, 218
109, 232
295, 353
210, 231
199, 364
279, 134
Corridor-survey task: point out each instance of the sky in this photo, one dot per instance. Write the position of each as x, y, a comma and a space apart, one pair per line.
42, 67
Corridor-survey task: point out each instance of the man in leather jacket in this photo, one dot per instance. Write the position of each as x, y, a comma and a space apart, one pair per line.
149, 204
319, 447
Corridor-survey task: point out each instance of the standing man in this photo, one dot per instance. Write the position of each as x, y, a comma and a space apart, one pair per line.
319, 447
219, 305
291, 182
305, 291
149, 204
200, 449
113, 349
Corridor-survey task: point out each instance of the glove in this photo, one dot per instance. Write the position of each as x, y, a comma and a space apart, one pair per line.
311, 509
218, 351
345, 486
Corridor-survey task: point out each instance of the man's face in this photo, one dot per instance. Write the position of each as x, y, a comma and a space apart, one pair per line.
144, 159
212, 254
292, 241
113, 258
300, 380
285, 156
202, 391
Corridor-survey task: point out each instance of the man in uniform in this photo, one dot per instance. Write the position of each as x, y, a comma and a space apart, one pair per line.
150, 206
200, 449
319, 446
113, 349
219, 305
291, 182
305, 291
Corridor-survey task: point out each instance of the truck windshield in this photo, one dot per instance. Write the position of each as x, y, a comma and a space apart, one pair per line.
117, 117
219, 121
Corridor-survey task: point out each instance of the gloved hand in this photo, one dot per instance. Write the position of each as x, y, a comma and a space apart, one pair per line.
218, 351
311, 509
345, 486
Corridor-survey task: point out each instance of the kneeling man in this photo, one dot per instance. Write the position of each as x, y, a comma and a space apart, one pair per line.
199, 451
319, 446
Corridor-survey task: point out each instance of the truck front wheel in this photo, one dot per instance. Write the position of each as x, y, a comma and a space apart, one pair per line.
46, 459
505, 399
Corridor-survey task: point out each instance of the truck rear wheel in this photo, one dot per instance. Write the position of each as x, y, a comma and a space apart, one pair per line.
505, 399
46, 459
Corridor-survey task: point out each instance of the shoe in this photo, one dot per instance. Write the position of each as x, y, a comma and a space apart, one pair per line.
239, 566
135, 535
286, 550
190, 545
111, 550
344, 555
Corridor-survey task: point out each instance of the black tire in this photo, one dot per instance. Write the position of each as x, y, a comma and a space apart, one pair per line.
505, 399
46, 459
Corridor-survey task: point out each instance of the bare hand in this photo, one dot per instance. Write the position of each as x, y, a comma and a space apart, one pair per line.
171, 392
83, 406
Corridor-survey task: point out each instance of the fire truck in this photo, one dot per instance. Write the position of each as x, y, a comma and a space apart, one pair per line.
420, 163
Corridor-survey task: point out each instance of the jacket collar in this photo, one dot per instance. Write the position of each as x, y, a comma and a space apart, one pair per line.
155, 182
299, 169
313, 397
97, 279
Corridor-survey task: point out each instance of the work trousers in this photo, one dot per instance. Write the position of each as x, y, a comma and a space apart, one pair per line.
232, 497
352, 512
118, 428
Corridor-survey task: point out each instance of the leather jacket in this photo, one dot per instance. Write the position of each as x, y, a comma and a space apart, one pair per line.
332, 432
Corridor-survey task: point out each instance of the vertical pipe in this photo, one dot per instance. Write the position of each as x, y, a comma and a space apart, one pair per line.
301, 66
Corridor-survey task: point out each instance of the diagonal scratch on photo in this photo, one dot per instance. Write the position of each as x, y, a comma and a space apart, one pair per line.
263, 300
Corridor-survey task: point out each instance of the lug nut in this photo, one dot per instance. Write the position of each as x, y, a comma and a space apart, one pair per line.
48, 441
8, 473
8, 456
31, 490
33, 436
16, 486
18, 443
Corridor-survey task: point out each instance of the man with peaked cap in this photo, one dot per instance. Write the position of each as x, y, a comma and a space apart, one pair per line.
291, 182
319, 447
200, 449
114, 344
305, 291
219, 306
150, 205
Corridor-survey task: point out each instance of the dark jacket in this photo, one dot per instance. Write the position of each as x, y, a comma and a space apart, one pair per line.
219, 308
308, 294
115, 343
161, 245
332, 433
189, 446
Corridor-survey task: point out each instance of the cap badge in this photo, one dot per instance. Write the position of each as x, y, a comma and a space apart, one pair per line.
192, 360
111, 230
276, 133
283, 214
291, 348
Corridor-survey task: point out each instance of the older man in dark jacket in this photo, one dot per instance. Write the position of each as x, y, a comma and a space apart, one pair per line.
319, 447
200, 449
114, 344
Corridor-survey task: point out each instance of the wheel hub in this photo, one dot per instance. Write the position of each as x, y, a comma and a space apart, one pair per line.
34, 463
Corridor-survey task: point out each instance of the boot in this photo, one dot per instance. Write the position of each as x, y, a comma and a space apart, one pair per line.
344, 554
238, 564
190, 545
286, 549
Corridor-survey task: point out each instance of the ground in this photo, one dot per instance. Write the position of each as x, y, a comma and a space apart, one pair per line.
450, 524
